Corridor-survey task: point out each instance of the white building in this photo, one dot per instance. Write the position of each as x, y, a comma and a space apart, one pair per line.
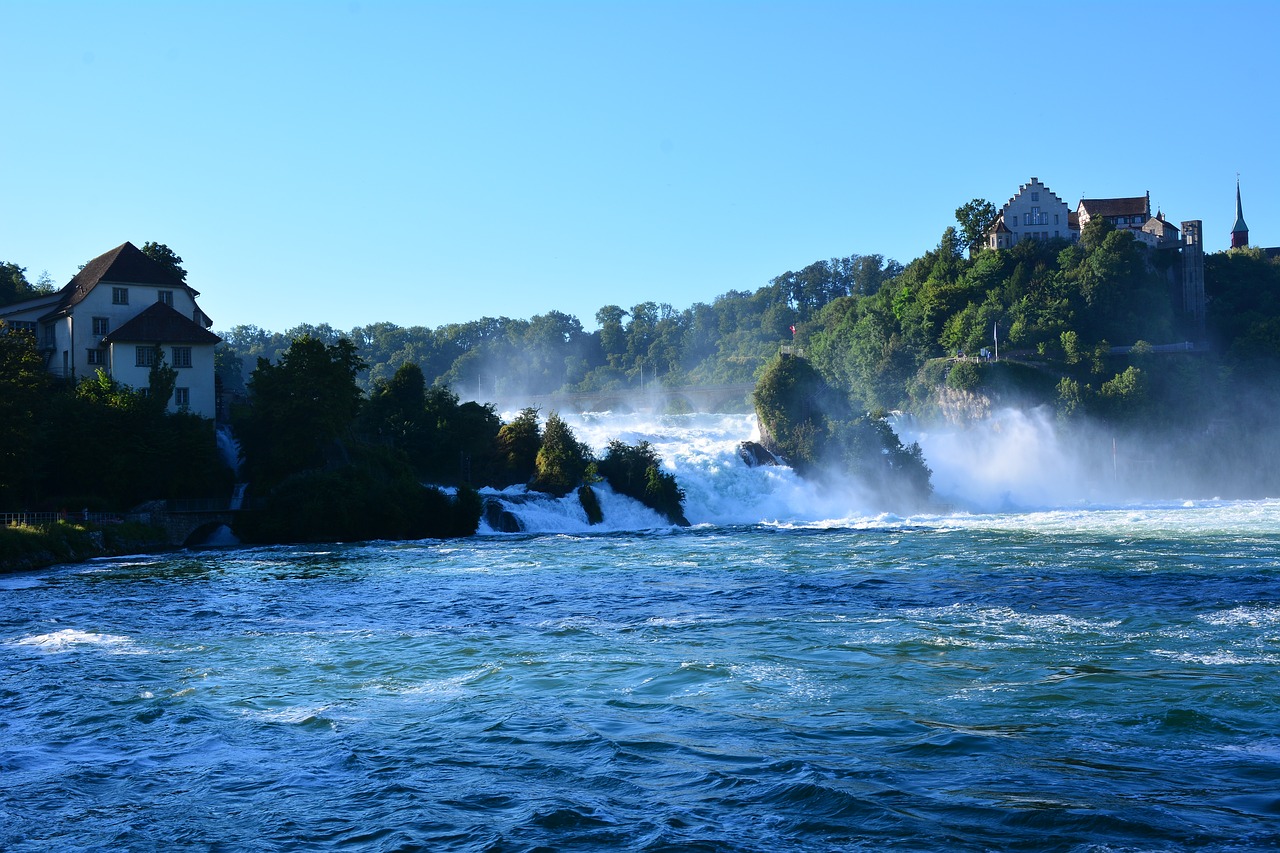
113, 315
1034, 213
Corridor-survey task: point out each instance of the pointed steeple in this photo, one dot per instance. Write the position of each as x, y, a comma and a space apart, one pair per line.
1239, 231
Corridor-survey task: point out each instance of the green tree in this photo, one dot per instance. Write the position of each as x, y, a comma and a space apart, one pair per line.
975, 218
518, 443
14, 286
635, 470
300, 408
24, 389
612, 335
1124, 396
161, 380
561, 461
162, 254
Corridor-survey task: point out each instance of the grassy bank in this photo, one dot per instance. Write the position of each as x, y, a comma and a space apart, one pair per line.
35, 546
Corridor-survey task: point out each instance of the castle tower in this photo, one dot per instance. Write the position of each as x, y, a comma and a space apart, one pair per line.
1239, 231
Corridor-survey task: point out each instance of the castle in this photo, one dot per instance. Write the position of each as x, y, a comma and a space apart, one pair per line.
1037, 213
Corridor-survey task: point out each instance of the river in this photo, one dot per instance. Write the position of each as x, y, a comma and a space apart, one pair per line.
1028, 668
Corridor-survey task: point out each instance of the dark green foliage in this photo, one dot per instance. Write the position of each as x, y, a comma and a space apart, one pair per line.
518, 443
974, 218
375, 497
25, 387
1243, 288
963, 376
161, 380
162, 254
635, 470
448, 442
300, 409
14, 286
561, 460
154, 454
810, 426
793, 404
47, 460
726, 341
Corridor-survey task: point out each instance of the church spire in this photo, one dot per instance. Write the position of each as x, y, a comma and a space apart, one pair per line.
1239, 231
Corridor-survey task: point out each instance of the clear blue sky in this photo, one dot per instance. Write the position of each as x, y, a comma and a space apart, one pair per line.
426, 163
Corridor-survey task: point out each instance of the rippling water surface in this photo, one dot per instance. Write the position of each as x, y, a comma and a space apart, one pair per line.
1092, 680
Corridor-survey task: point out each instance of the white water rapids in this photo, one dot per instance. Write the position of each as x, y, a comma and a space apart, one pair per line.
1012, 462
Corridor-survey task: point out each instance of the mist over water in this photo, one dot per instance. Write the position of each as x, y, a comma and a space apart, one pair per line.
1014, 461
701, 450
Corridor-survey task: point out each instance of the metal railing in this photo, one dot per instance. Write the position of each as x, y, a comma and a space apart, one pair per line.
32, 519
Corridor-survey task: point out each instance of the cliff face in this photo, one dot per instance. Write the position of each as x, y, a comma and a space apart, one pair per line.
961, 408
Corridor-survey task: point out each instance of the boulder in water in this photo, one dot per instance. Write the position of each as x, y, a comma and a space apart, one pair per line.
500, 519
754, 454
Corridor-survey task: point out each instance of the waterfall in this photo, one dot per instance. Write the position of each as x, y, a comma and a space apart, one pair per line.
229, 448
1012, 460
702, 451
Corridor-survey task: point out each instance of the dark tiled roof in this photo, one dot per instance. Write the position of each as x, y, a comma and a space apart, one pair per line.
161, 324
125, 264
1136, 206
1073, 220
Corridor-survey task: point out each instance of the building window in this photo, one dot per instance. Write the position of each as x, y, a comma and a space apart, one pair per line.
119, 296
1055, 219
101, 325
1035, 196
165, 296
146, 356
96, 357
182, 356
182, 397
49, 335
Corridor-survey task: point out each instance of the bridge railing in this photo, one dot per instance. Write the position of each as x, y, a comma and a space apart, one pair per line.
33, 519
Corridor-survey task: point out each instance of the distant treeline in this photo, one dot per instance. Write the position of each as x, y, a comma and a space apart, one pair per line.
726, 341
880, 335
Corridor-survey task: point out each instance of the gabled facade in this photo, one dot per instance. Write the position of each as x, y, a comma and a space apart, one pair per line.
1034, 213
121, 304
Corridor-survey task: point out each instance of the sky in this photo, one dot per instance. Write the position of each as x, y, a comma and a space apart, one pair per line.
426, 163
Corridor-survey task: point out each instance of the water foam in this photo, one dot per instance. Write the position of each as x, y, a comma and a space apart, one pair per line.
1011, 471
69, 639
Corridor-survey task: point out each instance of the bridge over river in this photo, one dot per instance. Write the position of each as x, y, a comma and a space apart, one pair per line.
701, 398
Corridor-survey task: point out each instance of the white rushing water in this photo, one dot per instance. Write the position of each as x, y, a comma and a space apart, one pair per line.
1015, 464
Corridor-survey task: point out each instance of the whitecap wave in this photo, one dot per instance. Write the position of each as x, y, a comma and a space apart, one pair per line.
69, 638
